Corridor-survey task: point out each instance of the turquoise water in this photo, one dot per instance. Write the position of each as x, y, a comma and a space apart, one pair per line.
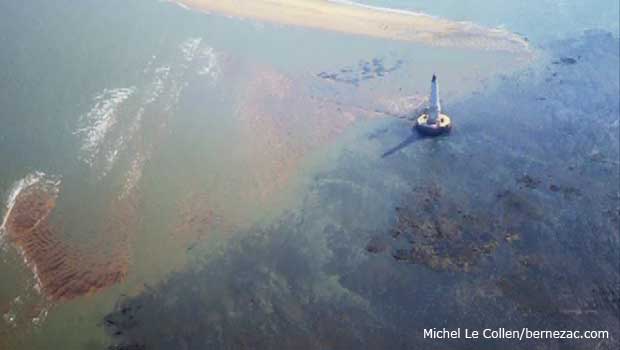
540, 21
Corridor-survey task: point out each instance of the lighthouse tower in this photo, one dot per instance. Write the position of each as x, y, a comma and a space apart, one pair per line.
433, 122
435, 107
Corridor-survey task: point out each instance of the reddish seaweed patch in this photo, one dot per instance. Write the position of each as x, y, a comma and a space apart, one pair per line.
63, 270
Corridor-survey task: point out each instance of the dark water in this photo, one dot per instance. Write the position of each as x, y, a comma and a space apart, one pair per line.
526, 194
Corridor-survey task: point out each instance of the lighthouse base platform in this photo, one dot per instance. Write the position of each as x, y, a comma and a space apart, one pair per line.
443, 125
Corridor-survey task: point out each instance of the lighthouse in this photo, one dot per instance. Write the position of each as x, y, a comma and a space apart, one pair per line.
433, 122
434, 108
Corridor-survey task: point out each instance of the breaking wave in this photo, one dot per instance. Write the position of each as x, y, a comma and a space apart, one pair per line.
96, 124
18, 187
210, 67
119, 131
189, 48
112, 122
46, 183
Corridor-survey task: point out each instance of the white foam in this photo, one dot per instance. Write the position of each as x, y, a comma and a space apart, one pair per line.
52, 181
180, 4
98, 121
51, 184
210, 67
10, 318
41, 316
114, 148
189, 48
134, 175
176, 89
111, 154
136, 122
149, 64
381, 9
158, 84
108, 127
183, 6
203, 61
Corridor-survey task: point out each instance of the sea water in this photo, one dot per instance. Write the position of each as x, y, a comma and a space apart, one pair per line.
213, 129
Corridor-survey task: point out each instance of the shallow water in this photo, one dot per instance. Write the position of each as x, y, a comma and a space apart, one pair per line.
239, 182
540, 21
528, 233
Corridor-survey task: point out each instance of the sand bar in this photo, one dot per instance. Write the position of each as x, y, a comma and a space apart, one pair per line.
351, 18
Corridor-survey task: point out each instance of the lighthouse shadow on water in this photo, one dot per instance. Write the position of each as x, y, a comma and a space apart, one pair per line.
430, 123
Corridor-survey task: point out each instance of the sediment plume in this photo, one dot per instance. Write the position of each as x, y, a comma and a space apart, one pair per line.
198, 215
283, 123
